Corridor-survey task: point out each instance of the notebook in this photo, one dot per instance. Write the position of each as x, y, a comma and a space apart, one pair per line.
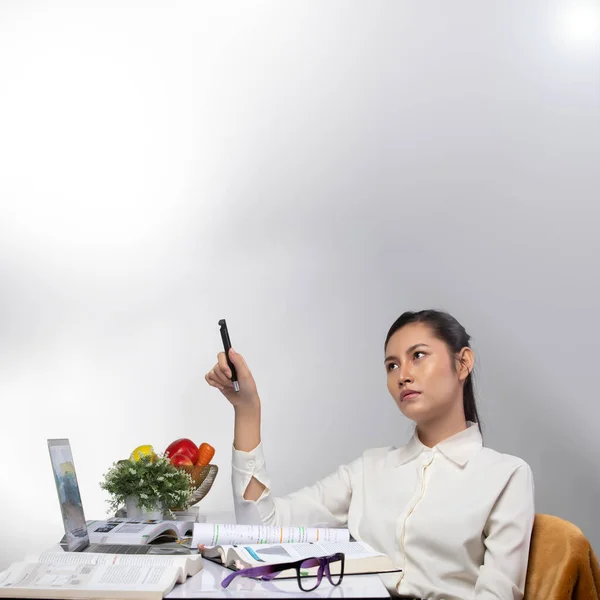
76, 538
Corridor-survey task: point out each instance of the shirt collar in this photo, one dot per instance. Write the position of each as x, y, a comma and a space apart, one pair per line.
459, 448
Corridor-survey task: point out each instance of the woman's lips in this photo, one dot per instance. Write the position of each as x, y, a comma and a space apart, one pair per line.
411, 396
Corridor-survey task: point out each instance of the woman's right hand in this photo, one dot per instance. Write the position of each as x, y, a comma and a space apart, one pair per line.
220, 377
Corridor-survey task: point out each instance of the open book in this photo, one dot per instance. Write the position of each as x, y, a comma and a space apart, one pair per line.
359, 556
90, 575
132, 531
136, 531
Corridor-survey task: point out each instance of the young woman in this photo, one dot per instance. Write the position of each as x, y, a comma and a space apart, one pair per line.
456, 517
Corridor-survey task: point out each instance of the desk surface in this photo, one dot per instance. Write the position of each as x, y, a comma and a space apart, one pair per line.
207, 584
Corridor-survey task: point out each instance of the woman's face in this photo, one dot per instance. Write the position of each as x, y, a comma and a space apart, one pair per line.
415, 359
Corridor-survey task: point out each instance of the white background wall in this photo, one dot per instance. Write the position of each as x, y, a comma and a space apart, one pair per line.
308, 171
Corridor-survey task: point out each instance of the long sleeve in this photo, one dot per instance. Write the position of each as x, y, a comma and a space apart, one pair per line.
507, 540
324, 504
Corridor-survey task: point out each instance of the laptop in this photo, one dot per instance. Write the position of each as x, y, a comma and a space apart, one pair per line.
76, 538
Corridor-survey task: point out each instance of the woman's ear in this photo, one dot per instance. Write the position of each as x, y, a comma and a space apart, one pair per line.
466, 360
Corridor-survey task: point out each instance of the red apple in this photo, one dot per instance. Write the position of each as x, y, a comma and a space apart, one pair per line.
178, 460
183, 446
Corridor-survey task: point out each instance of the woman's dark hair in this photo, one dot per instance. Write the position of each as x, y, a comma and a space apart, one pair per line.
446, 328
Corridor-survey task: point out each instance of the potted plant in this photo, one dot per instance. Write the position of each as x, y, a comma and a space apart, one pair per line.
149, 486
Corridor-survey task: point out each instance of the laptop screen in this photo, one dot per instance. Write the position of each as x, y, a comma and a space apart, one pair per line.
68, 495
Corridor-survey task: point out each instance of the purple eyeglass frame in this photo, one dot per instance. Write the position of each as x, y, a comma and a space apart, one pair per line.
268, 572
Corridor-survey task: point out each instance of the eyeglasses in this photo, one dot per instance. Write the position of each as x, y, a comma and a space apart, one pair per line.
268, 572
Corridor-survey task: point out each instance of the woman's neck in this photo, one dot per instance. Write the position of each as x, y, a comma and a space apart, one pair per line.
432, 433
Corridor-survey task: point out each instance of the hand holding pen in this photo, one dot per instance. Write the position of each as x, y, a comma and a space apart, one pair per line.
231, 374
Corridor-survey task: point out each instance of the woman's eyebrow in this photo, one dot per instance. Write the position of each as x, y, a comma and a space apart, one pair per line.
408, 351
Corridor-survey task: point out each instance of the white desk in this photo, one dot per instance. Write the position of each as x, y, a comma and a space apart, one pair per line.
207, 584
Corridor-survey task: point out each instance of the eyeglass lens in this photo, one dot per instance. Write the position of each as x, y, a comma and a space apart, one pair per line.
308, 584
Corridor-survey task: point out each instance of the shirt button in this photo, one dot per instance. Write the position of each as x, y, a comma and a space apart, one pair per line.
250, 463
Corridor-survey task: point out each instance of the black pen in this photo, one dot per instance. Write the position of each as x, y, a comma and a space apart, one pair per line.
227, 346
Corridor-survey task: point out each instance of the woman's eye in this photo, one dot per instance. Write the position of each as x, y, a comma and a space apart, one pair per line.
391, 366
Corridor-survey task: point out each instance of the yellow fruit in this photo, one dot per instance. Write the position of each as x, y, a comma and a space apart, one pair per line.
140, 451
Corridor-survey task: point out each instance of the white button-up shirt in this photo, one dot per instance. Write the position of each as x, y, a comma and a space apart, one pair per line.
456, 518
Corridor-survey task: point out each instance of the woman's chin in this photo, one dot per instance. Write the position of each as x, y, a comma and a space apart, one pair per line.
413, 409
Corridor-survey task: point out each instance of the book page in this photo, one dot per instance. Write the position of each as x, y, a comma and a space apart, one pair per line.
40, 576
184, 528
212, 534
277, 553
187, 565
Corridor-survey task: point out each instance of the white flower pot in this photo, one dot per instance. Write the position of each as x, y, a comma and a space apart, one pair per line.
134, 511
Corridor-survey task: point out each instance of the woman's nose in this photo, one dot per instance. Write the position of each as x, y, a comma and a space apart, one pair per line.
404, 379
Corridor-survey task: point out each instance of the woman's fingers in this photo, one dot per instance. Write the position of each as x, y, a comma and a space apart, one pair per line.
212, 380
239, 362
221, 375
222, 365
216, 378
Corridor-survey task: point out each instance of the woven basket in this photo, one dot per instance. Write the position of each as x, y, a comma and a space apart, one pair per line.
203, 477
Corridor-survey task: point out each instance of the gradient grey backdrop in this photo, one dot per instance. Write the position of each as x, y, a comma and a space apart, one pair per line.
307, 170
